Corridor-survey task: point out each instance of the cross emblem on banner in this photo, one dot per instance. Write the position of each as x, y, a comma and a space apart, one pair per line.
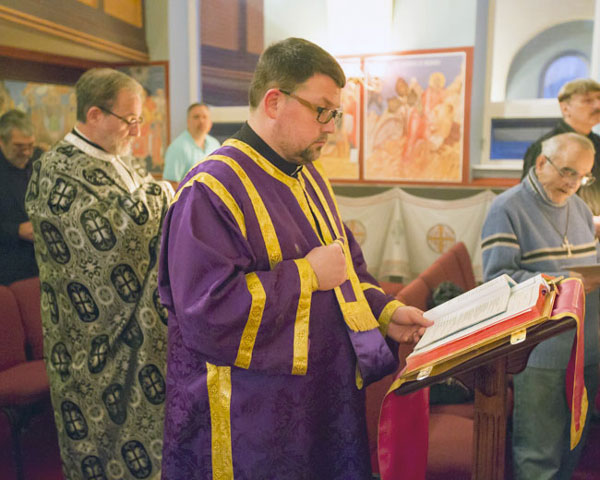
440, 238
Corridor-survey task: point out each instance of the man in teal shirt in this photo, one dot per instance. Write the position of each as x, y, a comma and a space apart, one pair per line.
192, 145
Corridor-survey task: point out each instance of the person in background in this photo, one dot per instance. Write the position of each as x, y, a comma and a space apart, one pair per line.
579, 102
192, 145
541, 226
275, 326
17, 153
97, 218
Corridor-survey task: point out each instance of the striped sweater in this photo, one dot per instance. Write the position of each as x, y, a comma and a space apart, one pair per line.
523, 236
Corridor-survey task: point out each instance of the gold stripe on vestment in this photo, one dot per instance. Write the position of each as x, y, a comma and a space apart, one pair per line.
218, 383
301, 330
220, 191
301, 323
386, 315
257, 307
357, 314
291, 182
366, 286
263, 218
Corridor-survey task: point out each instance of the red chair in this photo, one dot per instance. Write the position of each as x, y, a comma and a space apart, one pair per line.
24, 388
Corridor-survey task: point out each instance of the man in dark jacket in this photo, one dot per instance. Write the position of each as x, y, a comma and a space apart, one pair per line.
17, 259
580, 106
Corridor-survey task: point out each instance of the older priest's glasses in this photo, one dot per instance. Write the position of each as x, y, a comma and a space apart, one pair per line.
572, 175
324, 115
131, 120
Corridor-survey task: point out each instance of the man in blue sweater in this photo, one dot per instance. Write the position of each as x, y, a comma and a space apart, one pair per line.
541, 226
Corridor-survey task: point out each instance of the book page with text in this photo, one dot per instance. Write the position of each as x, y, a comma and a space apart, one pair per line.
477, 304
522, 297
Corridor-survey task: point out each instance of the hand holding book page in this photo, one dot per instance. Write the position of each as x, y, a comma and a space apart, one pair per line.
490, 303
473, 306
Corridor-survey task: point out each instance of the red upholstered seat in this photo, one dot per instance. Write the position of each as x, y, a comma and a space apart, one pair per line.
24, 383
11, 331
24, 388
27, 294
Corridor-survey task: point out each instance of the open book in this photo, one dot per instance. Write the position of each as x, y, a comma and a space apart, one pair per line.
480, 316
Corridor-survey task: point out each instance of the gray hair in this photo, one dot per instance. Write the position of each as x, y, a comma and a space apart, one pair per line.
553, 145
578, 86
100, 87
14, 119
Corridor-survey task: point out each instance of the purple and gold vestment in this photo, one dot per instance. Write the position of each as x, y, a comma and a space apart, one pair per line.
262, 377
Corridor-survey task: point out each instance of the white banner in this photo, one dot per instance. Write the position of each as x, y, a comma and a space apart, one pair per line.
402, 234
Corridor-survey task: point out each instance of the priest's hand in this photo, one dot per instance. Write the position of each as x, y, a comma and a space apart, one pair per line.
407, 325
329, 264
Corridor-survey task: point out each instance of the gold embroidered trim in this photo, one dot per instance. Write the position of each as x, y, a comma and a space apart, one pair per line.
357, 314
366, 286
261, 161
262, 215
220, 191
268, 167
300, 361
386, 315
257, 307
218, 383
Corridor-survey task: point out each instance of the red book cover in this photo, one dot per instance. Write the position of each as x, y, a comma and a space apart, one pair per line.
474, 342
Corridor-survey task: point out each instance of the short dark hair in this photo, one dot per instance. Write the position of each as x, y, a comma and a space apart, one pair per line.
288, 63
100, 87
197, 104
14, 119
580, 85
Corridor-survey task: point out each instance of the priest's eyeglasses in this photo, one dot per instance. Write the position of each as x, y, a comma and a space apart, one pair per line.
131, 120
572, 175
324, 115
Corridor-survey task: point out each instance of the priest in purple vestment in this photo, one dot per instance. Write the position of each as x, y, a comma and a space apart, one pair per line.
275, 326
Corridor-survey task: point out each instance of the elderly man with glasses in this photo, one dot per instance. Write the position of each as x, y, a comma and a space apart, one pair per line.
97, 219
541, 226
579, 102
275, 326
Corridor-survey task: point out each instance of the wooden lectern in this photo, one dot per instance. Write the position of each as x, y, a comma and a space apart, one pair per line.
488, 374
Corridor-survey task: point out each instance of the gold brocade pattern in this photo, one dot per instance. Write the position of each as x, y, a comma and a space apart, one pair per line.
219, 397
386, 315
220, 191
262, 214
357, 314
259, 298
366, 286
300, 361
292, 183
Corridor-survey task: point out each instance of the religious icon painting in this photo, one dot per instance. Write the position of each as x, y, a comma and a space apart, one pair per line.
416, 116
51, 107
340, 155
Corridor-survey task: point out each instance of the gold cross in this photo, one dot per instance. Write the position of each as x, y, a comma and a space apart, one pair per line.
567, 245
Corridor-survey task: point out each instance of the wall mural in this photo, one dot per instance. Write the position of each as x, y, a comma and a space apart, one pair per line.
411, 111
52, 108
340, 155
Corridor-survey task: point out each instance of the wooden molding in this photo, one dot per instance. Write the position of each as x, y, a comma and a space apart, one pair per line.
71, 34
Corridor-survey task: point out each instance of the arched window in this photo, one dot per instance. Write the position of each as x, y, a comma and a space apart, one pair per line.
561, 69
